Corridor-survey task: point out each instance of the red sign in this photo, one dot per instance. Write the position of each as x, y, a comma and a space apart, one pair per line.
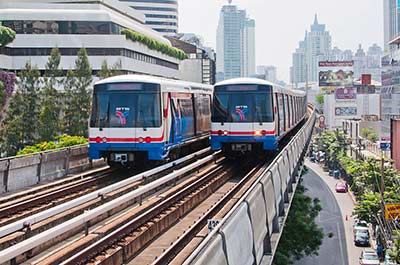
395, 142
366, 79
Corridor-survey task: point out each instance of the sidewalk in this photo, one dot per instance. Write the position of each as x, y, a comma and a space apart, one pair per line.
346, 203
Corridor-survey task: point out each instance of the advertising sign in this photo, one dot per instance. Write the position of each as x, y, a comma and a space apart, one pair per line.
392, 211
345, 93
395, 142
346, 111
366, 79
321, 121
336, 74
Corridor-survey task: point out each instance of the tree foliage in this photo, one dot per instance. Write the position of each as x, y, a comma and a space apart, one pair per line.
154, 44
364, 177
369, 134
301, 236
78, 96
61, 141
7, 35
49, 118
394, 252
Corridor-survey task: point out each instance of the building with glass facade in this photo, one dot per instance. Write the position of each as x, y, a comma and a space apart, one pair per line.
70, 25
235, 44
160, 15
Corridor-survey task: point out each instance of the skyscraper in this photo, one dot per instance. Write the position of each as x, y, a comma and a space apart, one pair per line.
318, 47
161, 15
315, 47
235, 44
298, 70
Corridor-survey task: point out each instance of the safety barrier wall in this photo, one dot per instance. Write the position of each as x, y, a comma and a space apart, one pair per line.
24, 171
244, 235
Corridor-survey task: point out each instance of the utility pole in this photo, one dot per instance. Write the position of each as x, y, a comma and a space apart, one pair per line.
382, 178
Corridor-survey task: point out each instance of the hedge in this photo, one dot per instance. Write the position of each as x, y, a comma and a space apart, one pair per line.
154, 44
60, 142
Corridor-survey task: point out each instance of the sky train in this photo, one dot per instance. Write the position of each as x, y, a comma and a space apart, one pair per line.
252, 115
138, 118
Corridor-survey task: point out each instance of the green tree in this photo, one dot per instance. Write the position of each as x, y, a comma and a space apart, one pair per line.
7, 35
12, 134
22, 118
78, 95
394, 252
369, 134
319, 99
49, 118
301, 236
105, 71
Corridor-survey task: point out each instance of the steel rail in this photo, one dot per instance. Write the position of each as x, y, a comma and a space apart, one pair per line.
138, 221
20, 224
35, 201
174, 249
199, 248
30, 243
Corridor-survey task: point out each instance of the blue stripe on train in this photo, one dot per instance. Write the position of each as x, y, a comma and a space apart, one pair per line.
156, 151
269, 142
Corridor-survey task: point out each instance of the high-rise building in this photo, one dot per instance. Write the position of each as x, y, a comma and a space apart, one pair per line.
368, 63
315, 47
160, 15
318, 47
235, 44
298, 71
269, 71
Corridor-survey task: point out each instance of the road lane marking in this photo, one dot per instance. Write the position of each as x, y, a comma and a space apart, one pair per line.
340, 243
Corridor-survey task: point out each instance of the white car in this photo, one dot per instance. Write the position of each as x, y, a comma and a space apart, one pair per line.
369, 257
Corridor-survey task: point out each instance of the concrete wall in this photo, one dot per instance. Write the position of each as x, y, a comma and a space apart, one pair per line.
250, 232
24, 171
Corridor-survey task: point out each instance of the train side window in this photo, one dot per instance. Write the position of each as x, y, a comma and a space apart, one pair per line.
284, 112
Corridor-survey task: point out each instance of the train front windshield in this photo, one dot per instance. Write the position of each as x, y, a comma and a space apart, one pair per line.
126, 105
242, 103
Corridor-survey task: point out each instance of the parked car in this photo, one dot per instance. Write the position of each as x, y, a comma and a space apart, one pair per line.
362, 239
369, 257
341, 186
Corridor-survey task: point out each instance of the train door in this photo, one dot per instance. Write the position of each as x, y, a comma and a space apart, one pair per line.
176, 121
277, 116
281, 111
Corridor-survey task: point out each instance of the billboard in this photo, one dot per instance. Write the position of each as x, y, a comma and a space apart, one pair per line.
346, 111
345, 93
395, 142
335, 74
392, 211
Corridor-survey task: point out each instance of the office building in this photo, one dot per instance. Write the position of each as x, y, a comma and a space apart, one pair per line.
269, 71
160, 15
200, 66
316, 47
72, 24
235, 44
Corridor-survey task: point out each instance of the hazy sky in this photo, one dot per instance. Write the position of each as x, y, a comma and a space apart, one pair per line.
280, 24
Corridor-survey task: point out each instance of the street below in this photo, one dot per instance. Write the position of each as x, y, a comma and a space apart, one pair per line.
335, 218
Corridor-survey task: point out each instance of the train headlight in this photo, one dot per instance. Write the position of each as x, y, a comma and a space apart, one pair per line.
220, 133
225, 133
257, 133
147, 139
104, 140
98, 139
264, 132
140, 139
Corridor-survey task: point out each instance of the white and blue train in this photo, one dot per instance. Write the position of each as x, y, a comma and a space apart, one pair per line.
139, 118
252, 115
